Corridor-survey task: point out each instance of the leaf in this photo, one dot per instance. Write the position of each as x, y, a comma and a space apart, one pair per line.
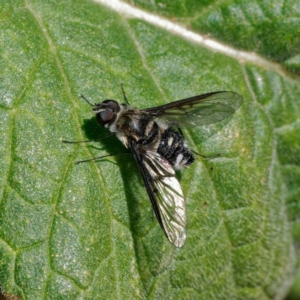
267, 27
86, 231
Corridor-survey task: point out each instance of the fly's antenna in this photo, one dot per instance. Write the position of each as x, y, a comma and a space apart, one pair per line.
87, 101
124, 95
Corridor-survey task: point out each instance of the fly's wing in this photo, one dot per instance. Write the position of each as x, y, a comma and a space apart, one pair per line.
199, 110
164, 192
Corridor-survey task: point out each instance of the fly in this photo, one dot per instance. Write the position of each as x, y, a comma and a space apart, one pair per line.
155, 138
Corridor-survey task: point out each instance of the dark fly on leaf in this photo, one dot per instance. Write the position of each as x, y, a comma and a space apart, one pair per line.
154, 137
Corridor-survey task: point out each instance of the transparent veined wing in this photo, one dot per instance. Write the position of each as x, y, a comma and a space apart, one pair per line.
164, 191
198, 110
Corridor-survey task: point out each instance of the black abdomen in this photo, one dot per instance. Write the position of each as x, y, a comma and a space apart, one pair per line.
172, 146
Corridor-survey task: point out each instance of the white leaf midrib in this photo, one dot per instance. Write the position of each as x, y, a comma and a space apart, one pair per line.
241, 56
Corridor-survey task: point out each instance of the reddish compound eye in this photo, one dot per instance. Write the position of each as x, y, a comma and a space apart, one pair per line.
112, 104
106, 116
106, 111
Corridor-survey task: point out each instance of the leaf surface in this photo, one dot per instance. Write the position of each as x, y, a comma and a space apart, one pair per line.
87, 231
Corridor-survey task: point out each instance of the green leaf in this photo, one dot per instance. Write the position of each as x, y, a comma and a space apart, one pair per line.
270, 28
87, 231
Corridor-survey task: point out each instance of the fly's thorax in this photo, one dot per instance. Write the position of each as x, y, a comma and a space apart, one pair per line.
136, 125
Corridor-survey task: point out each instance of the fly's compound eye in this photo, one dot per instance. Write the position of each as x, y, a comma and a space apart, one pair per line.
112, 104
105, 116
106, 111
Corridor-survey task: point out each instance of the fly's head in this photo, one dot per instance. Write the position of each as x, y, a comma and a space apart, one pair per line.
106, 112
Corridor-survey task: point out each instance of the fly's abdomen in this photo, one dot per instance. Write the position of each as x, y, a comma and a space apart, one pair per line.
172, 146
